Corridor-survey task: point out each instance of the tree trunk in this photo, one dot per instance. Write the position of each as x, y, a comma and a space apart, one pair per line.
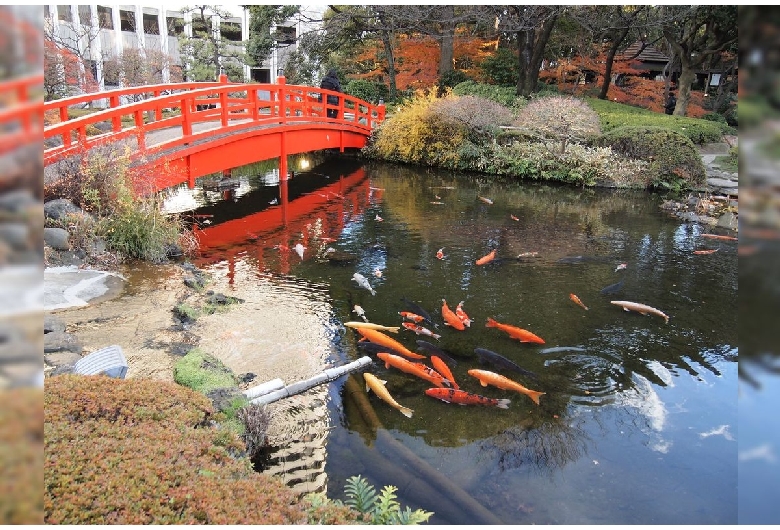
447, 41
687, 77
388, 43
530, 46
610, 59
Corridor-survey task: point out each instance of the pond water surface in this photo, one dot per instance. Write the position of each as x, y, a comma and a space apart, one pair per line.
638, 420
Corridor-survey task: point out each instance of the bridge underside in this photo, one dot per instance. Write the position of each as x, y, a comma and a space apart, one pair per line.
191, 162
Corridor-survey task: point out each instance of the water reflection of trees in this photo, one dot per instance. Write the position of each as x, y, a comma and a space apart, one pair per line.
546, 448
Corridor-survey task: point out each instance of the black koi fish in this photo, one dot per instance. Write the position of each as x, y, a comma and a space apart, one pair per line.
420, 311
432, 349
612, 289
499, 361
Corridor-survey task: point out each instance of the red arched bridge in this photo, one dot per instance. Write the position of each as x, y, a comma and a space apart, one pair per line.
181, 131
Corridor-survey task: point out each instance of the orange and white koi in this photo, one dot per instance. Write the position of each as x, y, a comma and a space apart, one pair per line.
420, 330
576, 299
523, 335
487, 258
485, 200
440, 253
415, 369
378, 387
461, 397
461, 314
716, 236
621, 267
499, 381
709, 251
377, 337
369, 325
513, 217
440, 366
414, 317
450, 318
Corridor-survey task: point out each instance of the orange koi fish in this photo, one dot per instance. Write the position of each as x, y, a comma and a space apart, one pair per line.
487, 258
461, 314
440, 253
378, 386
461, 397
513, 217
576, 299
485, 200
420, 330
716, 236
450, 318
414, 317
499, 381
520, 334
415, 369
710, 251
377, 337
440, 366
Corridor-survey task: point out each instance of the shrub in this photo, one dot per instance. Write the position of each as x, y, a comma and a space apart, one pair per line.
21, 456
141, 452
202, 372
415, 134
506, 96
560, 119
479, 115
674, 162
366, 90
449, 79
501, 67
255, 419
614, 115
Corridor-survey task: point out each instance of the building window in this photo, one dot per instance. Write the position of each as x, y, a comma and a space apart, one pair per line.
285, 35
151, 25
230, 31
126, 20
85, 16
63, 13
105, 17
175, 26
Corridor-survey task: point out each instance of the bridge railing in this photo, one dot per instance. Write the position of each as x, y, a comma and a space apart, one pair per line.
21, 112
224, 107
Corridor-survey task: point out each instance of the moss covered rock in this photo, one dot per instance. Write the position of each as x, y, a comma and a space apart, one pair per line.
203, 372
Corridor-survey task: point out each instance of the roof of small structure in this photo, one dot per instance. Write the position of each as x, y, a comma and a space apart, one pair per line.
650, 54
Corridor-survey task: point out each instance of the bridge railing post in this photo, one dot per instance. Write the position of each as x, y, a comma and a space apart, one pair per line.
186, 122
282, 96
116, 121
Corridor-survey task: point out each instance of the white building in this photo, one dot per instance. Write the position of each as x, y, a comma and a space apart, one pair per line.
102, 31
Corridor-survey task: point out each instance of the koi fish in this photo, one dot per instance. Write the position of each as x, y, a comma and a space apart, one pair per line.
520, 334
369, 325
440, 366
499, 381
514, 218
417, 309
485, 200
378, 272
299, 249
450, 318
414, 317
621, 267
436, 202
359, 312
487, 258
420, 330
528, 255
613, 288
461, 397
415, 369
461, 314
362, 282
716, 236
378, 218
499, 361
378, 337
378, 387
440, 253
641, 308
432, 349
576, 299
710, 251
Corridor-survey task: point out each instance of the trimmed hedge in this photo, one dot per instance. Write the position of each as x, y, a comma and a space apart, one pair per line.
674, 161
145, 452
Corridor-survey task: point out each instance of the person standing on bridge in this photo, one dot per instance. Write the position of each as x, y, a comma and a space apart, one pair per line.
331, 82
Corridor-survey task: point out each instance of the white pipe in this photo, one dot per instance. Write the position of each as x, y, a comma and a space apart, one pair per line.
329, 374
264, 388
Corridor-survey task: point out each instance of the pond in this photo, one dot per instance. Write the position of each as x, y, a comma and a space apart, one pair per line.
637, 422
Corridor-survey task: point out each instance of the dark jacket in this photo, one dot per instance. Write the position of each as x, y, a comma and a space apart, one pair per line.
670, 104
331, 82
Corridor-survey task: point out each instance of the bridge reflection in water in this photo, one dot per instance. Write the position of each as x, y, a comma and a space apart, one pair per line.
248, 227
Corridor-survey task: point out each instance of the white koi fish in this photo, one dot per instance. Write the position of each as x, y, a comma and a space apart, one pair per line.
641, 308
360, 312
363, 282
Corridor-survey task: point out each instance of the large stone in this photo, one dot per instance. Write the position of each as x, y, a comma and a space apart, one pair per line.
52, 323
58, 341
59, 208
728, 220
56, 238
16, 200
16, 235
